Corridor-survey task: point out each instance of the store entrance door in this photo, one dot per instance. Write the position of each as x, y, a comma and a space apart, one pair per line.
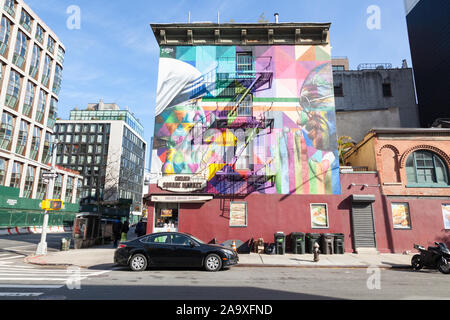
166, 217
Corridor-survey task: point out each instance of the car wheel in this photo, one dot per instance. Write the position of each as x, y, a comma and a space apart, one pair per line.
138, 262
444, 266
213, 262
416, 263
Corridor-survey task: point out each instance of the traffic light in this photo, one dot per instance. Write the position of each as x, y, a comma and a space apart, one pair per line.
52, 204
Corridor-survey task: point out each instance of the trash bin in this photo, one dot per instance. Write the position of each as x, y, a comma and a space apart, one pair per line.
339, 247
311, 238
280, 242
327, 241
298, 242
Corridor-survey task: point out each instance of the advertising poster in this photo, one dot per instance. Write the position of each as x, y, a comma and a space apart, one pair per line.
238, 214
446, 215
319, 216
400, 216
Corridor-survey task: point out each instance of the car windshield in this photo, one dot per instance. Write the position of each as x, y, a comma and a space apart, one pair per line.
198, 240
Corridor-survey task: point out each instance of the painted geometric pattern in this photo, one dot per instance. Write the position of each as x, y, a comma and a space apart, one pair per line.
249, 119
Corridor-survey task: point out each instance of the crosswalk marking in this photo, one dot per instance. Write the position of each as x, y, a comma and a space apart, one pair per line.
30, 286
9, 258
20, 294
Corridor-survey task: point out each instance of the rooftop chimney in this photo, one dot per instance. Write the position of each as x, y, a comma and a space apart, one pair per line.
276, 17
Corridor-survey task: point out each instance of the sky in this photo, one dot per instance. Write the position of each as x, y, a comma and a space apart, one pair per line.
113, 54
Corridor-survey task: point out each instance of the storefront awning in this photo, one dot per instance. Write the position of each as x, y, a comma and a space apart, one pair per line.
363, 198
181, 198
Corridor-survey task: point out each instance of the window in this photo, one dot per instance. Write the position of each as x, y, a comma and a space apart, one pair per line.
25, 20
179, 239
34, 66
52, 113
23, 136
6, 130
10, 7
3, 164
57, 187
338, 90
156, 239
29, 98
16, 175
41, 106
60, 55
20, 49
42, 187
425, 168
387, 90
35, 143
29, 180
244, 62
5, 32
51, 45
39, 34
69, 190
47, 70
57, 80
338, 68
12, 94
48, 147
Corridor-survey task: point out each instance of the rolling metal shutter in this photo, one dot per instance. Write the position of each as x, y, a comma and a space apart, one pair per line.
363, 225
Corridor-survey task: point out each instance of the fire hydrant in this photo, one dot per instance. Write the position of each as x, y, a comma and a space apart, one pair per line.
316, 252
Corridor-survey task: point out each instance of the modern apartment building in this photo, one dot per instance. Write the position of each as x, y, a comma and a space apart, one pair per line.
31, 63
105, 145
429, 34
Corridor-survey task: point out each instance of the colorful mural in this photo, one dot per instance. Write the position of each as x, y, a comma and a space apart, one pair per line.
249, 119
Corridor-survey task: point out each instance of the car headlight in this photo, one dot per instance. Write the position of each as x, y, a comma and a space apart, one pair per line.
228, 253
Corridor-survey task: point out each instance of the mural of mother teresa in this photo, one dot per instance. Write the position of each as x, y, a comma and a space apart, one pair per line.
180, 87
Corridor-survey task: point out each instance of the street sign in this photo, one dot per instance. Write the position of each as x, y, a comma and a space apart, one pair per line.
49, 175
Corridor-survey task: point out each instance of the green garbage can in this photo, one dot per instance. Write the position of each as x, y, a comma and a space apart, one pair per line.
311, 238
280, 243
298, 242
339, 245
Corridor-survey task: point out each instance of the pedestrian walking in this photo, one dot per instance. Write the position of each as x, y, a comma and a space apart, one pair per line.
140, 228
117, 229
125, 229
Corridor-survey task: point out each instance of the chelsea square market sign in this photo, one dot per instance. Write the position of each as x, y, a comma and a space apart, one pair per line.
182, 183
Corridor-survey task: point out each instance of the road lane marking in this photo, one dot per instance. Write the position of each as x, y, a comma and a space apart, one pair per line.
20, 294
31, 286
3, 259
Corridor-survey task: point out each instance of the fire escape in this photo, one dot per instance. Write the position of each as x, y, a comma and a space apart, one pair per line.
238, 84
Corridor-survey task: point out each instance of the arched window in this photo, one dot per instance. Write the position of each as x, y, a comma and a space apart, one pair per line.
426, 168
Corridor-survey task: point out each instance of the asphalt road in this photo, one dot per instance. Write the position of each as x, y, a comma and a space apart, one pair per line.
19, 281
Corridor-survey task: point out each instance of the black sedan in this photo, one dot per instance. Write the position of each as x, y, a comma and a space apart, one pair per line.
173, 249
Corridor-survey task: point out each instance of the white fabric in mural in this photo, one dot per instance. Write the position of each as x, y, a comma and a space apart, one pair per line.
177, 82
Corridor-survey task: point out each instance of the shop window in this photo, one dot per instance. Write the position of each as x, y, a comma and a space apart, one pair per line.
166, 215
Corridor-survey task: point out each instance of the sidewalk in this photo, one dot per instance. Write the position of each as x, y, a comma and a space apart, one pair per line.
103, 257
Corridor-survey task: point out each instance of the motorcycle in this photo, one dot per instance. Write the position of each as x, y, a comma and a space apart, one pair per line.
434, 257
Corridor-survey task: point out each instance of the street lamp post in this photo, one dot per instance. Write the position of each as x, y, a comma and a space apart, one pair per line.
42, 246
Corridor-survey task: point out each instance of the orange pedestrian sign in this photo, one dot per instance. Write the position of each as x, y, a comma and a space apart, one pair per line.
52, 204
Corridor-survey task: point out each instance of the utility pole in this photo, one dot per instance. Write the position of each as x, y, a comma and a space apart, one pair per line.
42, 247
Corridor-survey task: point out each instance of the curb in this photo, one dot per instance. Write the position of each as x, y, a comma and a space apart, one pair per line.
33, 230
250, 265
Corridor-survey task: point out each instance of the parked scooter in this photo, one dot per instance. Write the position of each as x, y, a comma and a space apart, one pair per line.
433, 257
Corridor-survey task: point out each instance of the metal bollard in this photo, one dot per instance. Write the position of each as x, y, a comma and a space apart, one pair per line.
316, 252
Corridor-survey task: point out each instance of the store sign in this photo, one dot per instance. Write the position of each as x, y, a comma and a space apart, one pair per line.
11, 202
192, 198
182, 183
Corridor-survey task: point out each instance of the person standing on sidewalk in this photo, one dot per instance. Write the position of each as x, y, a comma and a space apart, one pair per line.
117, 229
125, 229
